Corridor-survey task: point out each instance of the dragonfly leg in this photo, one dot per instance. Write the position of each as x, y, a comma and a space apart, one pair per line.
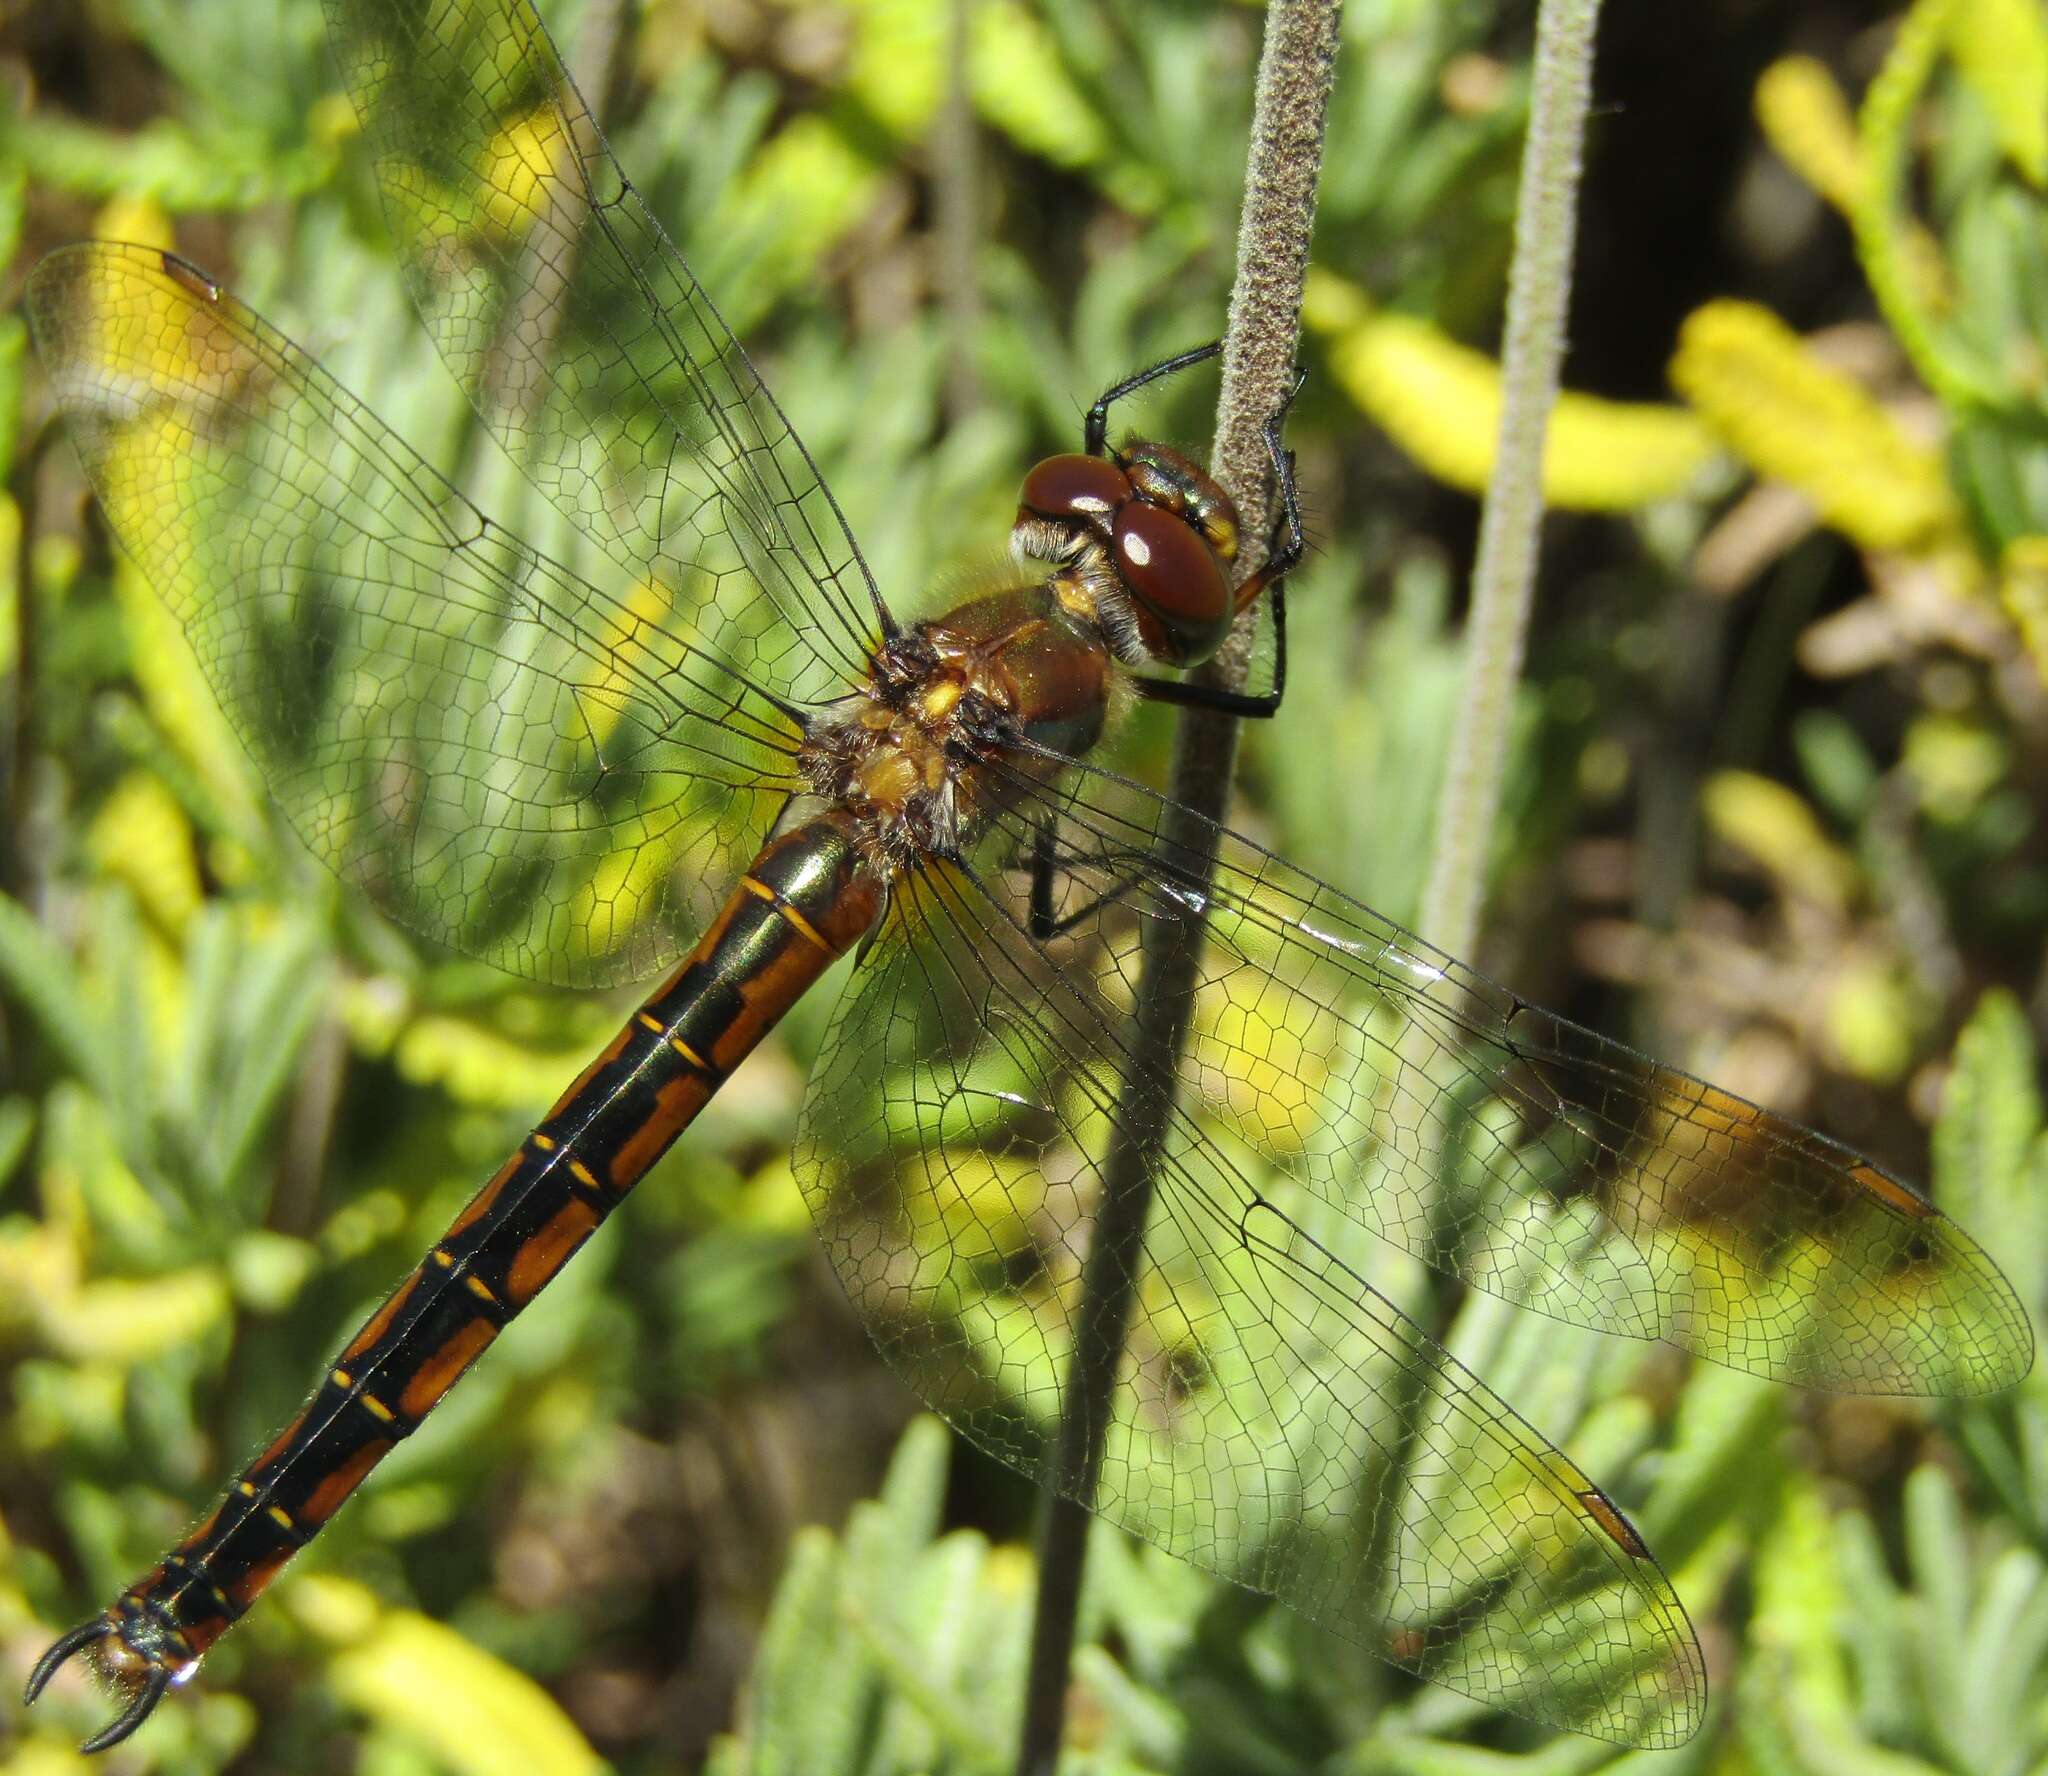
1289, 542
1184, 693
1045, 923
1096, 433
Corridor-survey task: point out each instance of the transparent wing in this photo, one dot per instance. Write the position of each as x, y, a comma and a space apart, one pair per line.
1513, 1148
506, 758
586, 345
1276, 1420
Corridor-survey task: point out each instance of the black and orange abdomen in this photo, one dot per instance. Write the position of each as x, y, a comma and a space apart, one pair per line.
807, 900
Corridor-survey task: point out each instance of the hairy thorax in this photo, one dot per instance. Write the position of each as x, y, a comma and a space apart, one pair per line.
963, 714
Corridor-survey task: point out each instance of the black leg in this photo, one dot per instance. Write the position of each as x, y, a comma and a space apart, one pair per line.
1097, 430
1045, 924
1285, 552
1285, 546
1184, 693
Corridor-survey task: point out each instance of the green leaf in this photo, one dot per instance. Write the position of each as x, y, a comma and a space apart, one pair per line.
13, 204
17, 1126
803, 1709
39, 978
2001, 50
1985, 1139
283, 986
13, 351
892, 1654
1998, 463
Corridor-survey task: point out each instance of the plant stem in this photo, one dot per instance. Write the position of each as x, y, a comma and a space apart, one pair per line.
1885, 127
1504, 577
1260, 344
956, 182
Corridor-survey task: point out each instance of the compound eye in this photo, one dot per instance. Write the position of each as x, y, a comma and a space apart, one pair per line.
1088, 488
1163, 476
1181, 593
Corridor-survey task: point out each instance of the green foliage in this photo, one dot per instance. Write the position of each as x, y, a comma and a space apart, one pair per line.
898, 1648
1775, 809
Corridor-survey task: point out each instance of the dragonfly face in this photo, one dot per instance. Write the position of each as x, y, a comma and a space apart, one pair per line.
524, 765
1146, 540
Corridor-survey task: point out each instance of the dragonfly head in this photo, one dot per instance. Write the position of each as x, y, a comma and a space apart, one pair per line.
1145, 540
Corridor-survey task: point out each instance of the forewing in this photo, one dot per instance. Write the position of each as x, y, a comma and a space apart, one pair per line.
1275, 1420
505, 758
588, 347
1517, 1150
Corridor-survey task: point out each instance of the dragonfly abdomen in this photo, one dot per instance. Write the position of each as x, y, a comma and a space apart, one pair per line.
809, 897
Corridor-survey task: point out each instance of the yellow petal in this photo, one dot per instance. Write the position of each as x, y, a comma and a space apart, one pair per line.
1794, 419
1440, 401
474, 1713
1776, 827
1806, 118
2023, 588
2001, 49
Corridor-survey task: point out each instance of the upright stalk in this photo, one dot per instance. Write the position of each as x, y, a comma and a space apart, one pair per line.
1504, 577
956, 180
1260, 343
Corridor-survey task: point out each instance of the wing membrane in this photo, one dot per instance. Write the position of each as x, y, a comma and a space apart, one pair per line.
1519, 1151
586, 344
509, 760
1276, 1419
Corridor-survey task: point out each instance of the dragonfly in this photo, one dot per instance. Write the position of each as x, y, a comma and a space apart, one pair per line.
715, 749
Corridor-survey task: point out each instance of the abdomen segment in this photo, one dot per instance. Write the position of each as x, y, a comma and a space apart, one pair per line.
808, 898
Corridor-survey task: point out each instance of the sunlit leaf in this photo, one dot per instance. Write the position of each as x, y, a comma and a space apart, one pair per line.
2001, 49
474, 1713
1440, 401
1799, 421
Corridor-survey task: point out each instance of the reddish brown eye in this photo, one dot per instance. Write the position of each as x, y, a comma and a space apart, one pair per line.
1088, 488
1182, 593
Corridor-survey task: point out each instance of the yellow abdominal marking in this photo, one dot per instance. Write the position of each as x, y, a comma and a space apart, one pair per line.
802, 924
688, 1053
787, 911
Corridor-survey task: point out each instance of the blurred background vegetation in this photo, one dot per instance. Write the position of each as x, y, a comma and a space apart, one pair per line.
1775, 812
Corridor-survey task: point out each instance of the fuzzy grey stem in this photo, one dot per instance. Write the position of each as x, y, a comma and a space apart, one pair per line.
1263, 334
956, 179
1295, 71
1504, 577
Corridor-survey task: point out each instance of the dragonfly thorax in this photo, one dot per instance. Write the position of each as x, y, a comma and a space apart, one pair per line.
1144, 540
962, 714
